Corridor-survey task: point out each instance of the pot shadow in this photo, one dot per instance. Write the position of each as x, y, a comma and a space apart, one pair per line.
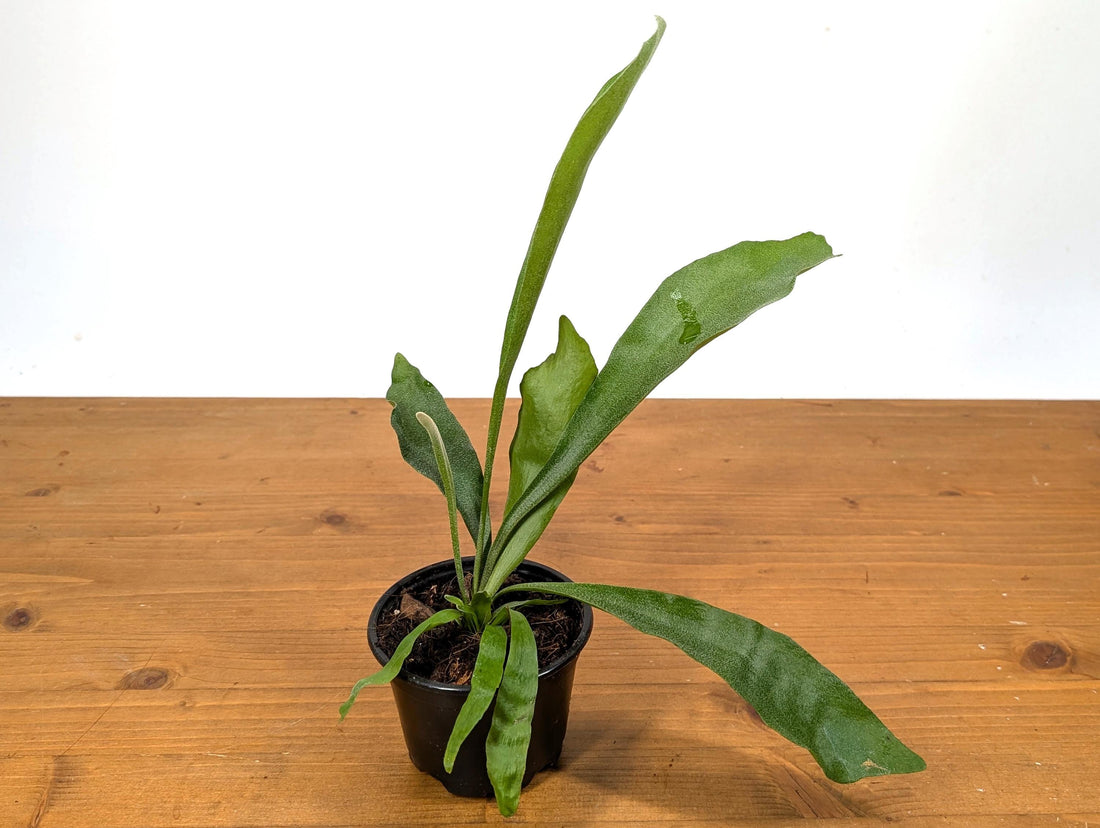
634, 763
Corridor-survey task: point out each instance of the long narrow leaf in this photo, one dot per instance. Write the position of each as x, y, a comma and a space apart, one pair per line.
488, 671
561, 196
446, 475
690, 308
409, 393
793, 693
510, 732
397, 660
550, 393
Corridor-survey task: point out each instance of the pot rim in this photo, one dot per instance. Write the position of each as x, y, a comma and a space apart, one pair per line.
550, 574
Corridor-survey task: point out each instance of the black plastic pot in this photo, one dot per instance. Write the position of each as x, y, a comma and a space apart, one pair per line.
428, 709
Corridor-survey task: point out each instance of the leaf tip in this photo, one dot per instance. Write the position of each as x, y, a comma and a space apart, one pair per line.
402, 370
894, 757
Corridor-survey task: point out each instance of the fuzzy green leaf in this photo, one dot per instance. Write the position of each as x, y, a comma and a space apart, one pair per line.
393, 666
550, 393
409, 393
510, 731
561, 196
690, 308
793, 692
488, 671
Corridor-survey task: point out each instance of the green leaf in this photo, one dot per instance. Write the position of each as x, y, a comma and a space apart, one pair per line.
561, 196
393, 666
446, 476
690, 308
550, 393
510, 731
488, 670
409, 393
793, 693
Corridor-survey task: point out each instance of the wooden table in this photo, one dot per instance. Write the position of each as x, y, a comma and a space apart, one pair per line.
184, 587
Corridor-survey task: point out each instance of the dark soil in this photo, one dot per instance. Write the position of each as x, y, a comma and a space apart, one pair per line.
447, 653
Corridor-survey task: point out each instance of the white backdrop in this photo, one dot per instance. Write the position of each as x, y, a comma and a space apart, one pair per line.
258, 198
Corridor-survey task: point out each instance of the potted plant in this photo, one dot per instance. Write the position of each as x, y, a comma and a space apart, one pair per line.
568, 407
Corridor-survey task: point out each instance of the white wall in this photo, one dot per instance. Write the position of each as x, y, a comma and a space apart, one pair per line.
256, 198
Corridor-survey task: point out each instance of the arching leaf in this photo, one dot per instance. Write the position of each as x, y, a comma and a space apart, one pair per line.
392, 667
793, 692
691, 307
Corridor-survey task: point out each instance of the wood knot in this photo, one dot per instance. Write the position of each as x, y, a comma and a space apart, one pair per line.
147, 678
19, 619
340, 521
1045, 655
43, 491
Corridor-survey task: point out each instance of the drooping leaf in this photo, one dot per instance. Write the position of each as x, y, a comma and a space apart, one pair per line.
409, 393
510, 731
690, 308
446, 476
550, 393
793, 692
561, 196
488, 671
393, 666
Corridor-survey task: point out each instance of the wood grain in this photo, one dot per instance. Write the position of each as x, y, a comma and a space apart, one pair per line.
184, 587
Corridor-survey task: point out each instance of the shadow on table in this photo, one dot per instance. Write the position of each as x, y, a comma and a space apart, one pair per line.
673, 774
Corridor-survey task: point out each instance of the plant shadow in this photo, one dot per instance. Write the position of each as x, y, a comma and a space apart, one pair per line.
639, 765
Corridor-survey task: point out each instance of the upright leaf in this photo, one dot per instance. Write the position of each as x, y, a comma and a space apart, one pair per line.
510, 731
446, 475
793, 693
409, 393
488, 671
561, 196
397, 660
550, 393
690, 308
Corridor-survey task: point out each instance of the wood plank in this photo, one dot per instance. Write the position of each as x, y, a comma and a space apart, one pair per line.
184, 586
